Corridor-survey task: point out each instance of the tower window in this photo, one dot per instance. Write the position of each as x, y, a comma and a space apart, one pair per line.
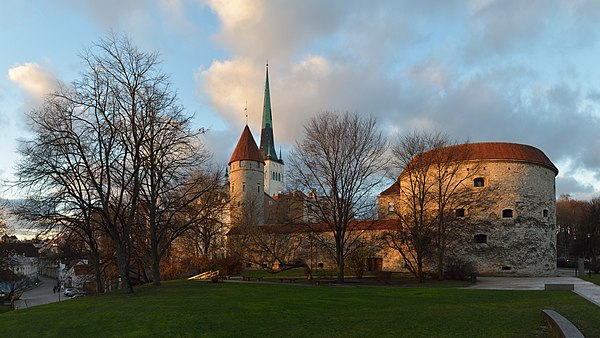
545, 213
480, 238
241, 164
507, 213
258, 188
459, 212
243, 187
391, 207
479, 182
232, 187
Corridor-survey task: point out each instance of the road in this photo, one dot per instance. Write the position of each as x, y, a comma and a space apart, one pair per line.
41, 294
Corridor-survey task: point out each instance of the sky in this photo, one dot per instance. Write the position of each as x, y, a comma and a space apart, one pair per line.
480, 71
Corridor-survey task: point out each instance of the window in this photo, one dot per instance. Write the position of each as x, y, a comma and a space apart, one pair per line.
232, 187
480, 238
459, 212
390, 207
506, 268
258, 188
248, 265
243, 187
507, 213
320, 265
545, 213
241, 164
478, 182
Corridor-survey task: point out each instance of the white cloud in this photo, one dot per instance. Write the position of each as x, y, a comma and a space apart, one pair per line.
486, 70
35, 80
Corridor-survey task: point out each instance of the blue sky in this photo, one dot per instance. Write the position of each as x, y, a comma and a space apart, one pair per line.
480, 70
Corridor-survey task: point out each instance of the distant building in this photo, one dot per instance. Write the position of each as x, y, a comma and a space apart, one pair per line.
23, 257
510, 228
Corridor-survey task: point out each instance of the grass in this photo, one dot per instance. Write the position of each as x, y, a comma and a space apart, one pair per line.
192, 308
594, 279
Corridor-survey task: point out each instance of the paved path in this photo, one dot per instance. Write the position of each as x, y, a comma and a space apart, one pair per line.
587, 290
41, 294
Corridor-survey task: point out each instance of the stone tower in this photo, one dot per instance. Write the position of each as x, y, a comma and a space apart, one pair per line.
274, 167
246, 181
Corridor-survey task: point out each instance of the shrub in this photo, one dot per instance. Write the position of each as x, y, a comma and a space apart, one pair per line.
458, 268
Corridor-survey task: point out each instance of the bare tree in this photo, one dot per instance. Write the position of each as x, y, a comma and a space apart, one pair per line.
340, 160
107, 121
433, 185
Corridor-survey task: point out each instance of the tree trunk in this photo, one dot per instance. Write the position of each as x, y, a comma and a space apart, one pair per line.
123, 265
340, 260
155, 260
97, 272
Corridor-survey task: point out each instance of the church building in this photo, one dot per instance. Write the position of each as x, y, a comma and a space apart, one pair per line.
255, 175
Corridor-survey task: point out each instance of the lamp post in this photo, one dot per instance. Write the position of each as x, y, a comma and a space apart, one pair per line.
58, 278
589, 240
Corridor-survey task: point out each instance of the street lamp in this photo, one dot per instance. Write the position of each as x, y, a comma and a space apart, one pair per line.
589, 240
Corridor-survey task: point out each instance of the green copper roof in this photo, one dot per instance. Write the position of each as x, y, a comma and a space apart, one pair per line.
267, 142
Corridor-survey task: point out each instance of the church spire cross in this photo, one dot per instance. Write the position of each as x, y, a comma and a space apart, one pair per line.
267, 141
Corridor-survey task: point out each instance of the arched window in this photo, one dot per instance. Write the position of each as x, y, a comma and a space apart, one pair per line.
507, 213
479, 182
459, 212
545, 213
480, 238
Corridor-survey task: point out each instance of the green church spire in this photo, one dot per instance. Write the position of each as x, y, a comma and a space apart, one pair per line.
267, 142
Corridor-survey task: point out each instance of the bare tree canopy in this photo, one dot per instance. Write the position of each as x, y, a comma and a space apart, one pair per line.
339, 162
115, 152
432, 185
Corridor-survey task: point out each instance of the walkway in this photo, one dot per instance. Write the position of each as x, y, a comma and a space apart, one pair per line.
39, 295
587, 290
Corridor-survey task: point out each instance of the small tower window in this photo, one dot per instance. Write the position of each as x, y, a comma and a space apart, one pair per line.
232, 187
507, 213
243, 187
258, 188
459, 212
545, 213
391, 207
480, 238
479, 182
241, 163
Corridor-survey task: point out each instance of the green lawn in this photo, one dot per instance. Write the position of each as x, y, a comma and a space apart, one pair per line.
192, 308
595, 278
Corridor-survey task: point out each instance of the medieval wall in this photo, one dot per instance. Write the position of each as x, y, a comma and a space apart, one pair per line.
512, 224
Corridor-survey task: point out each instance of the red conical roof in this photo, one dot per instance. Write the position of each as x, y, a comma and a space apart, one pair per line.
246, 148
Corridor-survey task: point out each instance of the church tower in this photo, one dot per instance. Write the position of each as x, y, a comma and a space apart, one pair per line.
274, 167
246, 179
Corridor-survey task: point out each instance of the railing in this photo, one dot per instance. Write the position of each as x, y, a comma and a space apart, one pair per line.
206, 275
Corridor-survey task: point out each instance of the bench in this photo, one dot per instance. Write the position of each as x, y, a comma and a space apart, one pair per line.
559, 325
324, 281
559, 287
288, 279
249, 278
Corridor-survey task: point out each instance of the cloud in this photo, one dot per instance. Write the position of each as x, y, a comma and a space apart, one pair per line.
485, 70
36, 81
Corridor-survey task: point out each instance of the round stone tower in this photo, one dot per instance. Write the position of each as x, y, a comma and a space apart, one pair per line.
246, 182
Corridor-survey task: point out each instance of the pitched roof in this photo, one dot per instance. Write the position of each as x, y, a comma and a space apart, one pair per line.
355, 225
246, 148
27, 249
488, 151
393, 189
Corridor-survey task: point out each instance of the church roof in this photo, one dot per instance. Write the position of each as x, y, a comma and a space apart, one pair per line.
489, 151
246, 148
267, 141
